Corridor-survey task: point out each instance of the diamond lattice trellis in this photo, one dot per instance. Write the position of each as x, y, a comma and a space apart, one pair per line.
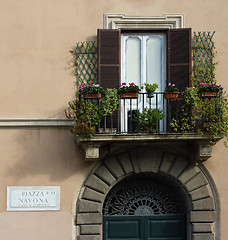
203, 56
85, 62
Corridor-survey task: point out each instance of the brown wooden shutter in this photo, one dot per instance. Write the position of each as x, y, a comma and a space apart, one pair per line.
179, 57
108, 57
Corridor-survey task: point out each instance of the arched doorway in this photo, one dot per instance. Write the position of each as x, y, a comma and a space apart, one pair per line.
193, 183
145, 206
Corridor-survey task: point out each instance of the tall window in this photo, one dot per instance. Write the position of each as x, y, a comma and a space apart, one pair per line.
143, 59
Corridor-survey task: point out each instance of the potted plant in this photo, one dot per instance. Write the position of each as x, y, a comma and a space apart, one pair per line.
148, 120
210, 90
171, 92
150, 88
128, 91
93, 91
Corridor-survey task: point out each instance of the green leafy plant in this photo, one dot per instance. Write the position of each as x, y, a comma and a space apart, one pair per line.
171, 88
131, 87
86, 116
183, 124
149, 120
187, 111
150, 87
110, 101
214, 118
190, 97
174, 125
208, 116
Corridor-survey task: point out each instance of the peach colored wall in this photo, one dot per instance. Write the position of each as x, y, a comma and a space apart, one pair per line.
36, 225
36, 37
37, 82
40, 157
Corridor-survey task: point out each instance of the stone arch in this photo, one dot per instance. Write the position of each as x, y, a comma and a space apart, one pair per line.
203, 213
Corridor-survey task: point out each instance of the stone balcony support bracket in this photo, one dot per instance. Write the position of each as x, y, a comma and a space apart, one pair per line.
92, 151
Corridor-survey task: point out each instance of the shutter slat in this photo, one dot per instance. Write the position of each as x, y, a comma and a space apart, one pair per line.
108, 57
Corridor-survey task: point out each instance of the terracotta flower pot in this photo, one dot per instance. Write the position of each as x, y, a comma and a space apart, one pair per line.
129, 95
91, 95
171, 95
209, 94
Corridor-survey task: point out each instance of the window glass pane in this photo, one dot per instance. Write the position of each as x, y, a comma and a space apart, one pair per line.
154, 60
133, 60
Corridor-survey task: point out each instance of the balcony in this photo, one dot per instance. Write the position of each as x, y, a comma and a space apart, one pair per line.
128, 125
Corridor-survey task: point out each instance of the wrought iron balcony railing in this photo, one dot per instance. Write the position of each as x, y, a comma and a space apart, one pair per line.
129, 118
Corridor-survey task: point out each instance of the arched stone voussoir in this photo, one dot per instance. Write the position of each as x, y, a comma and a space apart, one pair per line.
134, 160
149, 160
97, 183
188, 173
178, 166
114, 167
204, 204
201, 193
93, 195
125, 161
103, 173
88, 206
167, 162
196, 182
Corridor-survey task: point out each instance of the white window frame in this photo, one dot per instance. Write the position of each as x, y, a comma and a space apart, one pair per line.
143, 102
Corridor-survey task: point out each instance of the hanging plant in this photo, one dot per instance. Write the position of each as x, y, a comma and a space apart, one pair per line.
128, 91
210, 90
150, 88
86, 116
110, 101
171, 91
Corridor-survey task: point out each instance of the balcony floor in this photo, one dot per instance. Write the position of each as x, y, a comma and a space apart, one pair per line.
143, 137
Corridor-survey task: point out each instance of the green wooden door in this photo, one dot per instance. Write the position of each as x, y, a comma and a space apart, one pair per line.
160, 227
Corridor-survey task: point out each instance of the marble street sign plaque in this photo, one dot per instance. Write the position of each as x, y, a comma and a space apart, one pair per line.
36, 198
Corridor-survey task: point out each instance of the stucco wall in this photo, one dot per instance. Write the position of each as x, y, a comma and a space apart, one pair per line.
40, 157
36, 81
37, 35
